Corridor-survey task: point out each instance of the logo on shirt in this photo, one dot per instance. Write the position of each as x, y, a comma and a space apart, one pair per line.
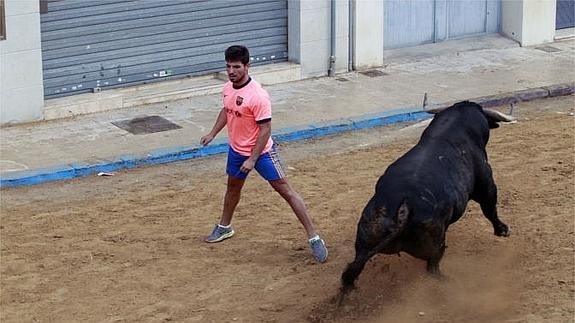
239, 100
233, 112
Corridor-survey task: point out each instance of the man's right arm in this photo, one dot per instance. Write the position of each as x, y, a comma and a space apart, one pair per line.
218, 126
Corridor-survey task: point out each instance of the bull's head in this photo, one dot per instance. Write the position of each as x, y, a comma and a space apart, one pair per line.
493, 116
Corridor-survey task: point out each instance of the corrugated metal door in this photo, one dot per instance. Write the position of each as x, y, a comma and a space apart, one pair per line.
415, 22
89, 45
408, 22
565, 17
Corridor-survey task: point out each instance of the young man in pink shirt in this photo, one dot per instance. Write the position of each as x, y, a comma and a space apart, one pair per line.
247, 114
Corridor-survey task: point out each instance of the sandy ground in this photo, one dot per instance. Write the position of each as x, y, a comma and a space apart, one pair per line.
128, 248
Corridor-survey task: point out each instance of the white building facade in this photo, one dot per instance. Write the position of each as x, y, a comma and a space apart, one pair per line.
73, 48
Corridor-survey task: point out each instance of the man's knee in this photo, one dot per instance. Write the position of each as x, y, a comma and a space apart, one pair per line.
235, 184
281, 186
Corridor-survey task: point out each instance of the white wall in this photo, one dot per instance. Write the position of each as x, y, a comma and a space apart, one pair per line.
310, 35
512, 19
539, 22
368, 33
21, 90
530, 22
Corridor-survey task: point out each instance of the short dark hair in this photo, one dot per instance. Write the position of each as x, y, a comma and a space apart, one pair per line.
238, 53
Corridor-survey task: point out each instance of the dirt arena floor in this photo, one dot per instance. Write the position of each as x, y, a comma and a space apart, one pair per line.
128, 248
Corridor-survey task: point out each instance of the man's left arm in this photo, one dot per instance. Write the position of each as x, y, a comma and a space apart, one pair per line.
263, 137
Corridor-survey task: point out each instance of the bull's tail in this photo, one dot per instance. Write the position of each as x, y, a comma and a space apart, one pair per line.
362, 256
400, 221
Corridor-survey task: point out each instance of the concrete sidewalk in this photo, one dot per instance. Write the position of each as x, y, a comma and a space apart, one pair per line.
491, 69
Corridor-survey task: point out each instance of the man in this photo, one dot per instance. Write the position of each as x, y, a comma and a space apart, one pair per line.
247, 115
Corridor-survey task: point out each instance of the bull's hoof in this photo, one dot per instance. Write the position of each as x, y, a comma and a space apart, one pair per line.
342, 294
502, 230
345, 289
437, 274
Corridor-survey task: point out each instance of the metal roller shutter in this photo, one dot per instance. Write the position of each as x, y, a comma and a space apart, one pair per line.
408, 22
565, 17
89, 45
416, 22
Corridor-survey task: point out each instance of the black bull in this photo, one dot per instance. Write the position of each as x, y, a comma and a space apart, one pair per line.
428, 188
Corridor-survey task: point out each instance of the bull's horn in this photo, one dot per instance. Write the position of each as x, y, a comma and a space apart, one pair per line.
499, 116
434, 108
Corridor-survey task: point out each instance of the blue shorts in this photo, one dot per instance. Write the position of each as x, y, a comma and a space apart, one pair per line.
268, 165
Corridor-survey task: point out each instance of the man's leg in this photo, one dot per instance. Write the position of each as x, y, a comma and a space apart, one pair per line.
224, 230
298, 206
270, 168
296, 203
231, 199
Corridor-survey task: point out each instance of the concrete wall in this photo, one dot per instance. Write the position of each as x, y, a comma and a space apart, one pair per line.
530, 22
309, 35
538, 22
21, 90
367, 33
512, 19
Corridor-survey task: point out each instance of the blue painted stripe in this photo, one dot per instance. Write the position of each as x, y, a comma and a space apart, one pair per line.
173, 154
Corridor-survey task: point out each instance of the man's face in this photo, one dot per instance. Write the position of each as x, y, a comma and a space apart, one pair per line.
237, 71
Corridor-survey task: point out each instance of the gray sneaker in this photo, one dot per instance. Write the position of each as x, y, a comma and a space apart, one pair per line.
318, 249
220, 233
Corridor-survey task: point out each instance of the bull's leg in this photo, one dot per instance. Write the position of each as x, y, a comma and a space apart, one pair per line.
353, 270
433, 238
488, 202
433, 262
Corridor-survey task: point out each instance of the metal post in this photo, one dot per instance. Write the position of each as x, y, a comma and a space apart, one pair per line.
331, 71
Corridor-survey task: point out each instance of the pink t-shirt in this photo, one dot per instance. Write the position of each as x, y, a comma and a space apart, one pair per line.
244, 108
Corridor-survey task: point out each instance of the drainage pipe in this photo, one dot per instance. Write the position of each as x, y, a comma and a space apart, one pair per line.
351, 37
331, 71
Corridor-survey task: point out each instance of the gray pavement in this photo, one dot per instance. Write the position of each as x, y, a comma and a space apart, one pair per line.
490, 68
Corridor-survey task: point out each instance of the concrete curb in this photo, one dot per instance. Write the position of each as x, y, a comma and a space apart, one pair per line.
172, 154
519, 96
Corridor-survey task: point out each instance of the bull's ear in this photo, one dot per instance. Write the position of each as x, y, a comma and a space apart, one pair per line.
492, 123
402, 213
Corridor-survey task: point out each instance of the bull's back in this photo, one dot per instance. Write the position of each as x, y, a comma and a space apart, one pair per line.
431, 177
